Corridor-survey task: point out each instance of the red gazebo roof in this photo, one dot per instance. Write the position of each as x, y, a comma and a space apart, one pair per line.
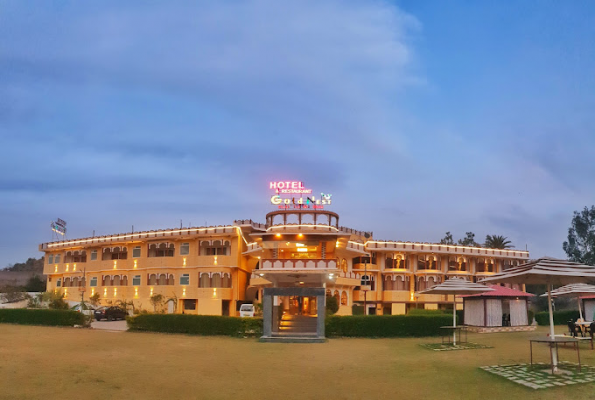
501, 291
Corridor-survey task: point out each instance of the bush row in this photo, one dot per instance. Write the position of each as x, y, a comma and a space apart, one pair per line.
208, 325
387, 325
26, 316
560, 317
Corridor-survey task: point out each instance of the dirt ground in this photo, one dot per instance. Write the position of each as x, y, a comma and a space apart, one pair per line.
69, 363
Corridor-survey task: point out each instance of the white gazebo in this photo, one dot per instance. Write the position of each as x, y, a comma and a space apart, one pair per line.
547, 271
492, 309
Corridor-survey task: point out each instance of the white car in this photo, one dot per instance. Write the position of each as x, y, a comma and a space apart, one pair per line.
86, 309
247, 310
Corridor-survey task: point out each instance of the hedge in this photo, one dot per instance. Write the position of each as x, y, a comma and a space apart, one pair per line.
386, 325
26, 316
560, 317
208, 325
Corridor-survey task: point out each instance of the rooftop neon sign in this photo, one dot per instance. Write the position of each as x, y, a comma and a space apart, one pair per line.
297, 187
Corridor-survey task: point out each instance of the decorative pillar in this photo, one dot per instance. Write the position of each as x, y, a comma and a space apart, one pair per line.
321, 311
267, 313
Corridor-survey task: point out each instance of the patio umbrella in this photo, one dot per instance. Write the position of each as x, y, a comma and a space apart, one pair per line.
456, 286
548, 271
574, 289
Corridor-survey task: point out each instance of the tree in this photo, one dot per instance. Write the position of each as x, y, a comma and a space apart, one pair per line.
580, 246
35, 284
157, 300
447, 239
94, 300
497, 242
332, 305
469, 240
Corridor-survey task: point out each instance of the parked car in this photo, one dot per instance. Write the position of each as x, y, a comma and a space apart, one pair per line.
247, 310
109, 313
84, 308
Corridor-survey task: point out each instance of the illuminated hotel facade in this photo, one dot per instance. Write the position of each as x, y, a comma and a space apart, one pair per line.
212, 270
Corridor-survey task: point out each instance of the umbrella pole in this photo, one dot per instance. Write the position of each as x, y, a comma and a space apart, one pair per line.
554, 348
580, 310
454, 319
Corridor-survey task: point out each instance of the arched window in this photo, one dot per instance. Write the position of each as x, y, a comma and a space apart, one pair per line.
67, 282
388, 283
116, 281
226, 281
216, 280
480, 265
152, 279
462, 262
124, 281
344, 265
162, 279
344, 298
328, 293
205, 280
336, 296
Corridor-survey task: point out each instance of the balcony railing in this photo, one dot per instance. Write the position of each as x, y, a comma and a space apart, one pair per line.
298, 264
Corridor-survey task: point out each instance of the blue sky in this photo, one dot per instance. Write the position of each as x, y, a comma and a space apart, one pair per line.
419, 117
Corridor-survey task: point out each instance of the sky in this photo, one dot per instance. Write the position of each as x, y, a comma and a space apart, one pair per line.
418, 117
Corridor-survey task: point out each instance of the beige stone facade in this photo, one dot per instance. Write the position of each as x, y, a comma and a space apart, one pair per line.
212, 270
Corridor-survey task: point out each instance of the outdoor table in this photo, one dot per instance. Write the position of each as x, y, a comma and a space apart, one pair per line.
447, 332
553, 342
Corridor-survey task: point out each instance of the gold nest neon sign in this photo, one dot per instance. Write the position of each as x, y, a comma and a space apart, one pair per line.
296, 187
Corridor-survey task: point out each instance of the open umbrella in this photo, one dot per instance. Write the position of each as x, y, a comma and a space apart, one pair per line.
548, 271
574, 289
456, 286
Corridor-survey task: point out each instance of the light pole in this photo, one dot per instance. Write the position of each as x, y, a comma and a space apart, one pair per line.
365, 288
83, 288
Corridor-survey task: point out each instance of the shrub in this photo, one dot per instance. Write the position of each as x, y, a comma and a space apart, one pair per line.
560, 317
386, 325
423, 311
356, 309
26, 316
332, 305
209, 325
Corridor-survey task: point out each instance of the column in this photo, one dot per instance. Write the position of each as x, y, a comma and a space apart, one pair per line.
321, 311
267, 313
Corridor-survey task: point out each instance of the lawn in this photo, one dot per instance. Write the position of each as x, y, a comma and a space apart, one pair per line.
68, 363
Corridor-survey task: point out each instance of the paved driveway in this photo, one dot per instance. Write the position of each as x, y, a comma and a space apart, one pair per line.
109, 325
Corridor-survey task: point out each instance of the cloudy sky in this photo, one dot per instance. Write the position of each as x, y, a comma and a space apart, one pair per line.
419, 117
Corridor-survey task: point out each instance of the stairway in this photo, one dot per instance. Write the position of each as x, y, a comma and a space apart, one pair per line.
297, 326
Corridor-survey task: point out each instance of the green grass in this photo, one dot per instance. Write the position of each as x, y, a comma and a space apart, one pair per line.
68, 363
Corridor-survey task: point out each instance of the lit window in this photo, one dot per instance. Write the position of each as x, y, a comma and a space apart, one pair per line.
93, 255
136, 280
185, 279
185, 249
136, 252
93, 282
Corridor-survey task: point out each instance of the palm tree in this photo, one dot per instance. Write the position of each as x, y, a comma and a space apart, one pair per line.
497, 242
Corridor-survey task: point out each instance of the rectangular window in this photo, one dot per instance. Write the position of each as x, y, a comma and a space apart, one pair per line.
136, 252
185, 279
51, 259
57, 259
93, 281
185, 249
93, 255
59, 283
136, 280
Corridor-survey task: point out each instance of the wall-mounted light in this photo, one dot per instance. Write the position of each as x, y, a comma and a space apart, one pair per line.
135, 261
74, 267
215, 260
115, 264
184, 263
67, 267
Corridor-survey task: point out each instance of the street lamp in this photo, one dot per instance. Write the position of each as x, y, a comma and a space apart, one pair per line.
365, 287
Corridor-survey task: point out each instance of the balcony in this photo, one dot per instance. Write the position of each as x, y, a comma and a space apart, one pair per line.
298, 265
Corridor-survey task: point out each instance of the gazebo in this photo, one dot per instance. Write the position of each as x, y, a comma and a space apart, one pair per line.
502, 309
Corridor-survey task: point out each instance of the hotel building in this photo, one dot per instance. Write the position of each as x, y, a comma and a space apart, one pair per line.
300, 254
